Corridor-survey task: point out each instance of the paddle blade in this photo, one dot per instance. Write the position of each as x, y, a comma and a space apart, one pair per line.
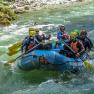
88, 66
10, 62
10, 53
15, 46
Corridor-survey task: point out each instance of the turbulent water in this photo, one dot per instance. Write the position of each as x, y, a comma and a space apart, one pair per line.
45, 82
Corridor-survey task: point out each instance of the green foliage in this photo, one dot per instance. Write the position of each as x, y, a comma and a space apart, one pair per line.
7, 0
6, 15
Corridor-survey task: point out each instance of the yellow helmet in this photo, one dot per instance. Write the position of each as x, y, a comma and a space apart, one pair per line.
73, 35
32, 33
33, 29
77, 31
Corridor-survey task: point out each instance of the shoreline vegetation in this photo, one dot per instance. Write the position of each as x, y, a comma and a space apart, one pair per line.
7, 15
10, 8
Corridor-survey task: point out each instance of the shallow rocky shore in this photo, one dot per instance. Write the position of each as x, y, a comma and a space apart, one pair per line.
10, 7
21, 6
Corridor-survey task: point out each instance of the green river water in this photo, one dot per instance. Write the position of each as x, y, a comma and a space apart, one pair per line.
43, 82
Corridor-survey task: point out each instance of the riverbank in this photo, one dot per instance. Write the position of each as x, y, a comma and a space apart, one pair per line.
21, 6
40, 81
24, 6
7, 15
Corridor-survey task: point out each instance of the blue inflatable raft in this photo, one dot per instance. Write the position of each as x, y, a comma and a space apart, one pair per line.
50, 60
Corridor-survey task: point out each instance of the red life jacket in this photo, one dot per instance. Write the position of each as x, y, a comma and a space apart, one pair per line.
32, 43
30, 46
74, 46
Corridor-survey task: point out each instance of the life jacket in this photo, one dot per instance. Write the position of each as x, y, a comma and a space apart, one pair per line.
32, 43
30, 46
65, 36
74, 46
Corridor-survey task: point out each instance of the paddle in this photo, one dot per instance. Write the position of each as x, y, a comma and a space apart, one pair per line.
15, 49
88, 66
15, 46
11, 53
13, 60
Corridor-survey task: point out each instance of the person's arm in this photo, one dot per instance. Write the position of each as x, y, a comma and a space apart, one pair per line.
59, 35
24, 44
82, 47
47, 37
36, 40
39, 38
44, 37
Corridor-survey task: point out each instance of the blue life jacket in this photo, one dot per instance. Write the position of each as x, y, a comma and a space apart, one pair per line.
59, 35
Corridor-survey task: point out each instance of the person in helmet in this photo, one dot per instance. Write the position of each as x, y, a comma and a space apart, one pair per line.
38, 36
62, 35
85, 40
41, 38
29, 42
77, 33
75, 45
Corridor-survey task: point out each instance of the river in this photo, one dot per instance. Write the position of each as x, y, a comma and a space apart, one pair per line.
40, 81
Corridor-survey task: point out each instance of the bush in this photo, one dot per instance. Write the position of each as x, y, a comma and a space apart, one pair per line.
6, 15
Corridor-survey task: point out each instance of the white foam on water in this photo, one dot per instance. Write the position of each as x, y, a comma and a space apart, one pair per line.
91, 62
53, 38
4, 62
3, 46
80, 11
48, 25
10, 28
20, 31
1, 33
91, 35
5, 37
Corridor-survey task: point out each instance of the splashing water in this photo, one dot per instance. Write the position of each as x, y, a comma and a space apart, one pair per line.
42, 82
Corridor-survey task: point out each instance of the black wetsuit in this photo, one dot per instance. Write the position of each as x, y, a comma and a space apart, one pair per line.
86, 42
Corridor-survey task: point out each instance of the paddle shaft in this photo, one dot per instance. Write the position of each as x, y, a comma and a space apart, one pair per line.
88, 55
68, 47
71, 50
27, 52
